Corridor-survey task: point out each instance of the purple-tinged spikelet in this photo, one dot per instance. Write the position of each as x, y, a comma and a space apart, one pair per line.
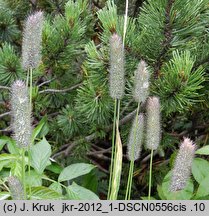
21, 114
15, 188
135, 138
32, 37
182, 167
153, 132
117, 71
141, 83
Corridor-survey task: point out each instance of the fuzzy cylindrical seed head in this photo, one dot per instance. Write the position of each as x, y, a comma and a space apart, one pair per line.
182, 167
153, 132
21, 114
141, 83
15, 188
32, 37
117, 71
135, 138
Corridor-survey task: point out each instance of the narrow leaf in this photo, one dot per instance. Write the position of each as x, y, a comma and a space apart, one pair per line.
4, 195
38, 128
117, 166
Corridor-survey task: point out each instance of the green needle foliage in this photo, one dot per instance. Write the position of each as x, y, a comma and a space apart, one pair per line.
9, 31
179, 83
94, 104
10, 66
68, 121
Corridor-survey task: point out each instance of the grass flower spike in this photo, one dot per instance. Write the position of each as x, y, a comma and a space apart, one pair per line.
182, 168
141, 85
21, 114
135, 138
153, 133
15, 188
117, 71
31, 45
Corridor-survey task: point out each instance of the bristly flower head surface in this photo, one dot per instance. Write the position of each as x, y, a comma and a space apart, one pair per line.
182, 168
21, 114
153, 133
141, 83
117, 71
32, 37
136, 138
15, 188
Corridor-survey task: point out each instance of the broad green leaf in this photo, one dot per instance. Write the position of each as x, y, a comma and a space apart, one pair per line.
90, 181
44, 193
39, 128
6, 160
203, 189
5, 156
2, 143
200, 169
160, 192
76, 192
55, 168
74, 171
34, 179
203, 151
4, 195
56, 186
184, 194
16, 168
11, 145
40, 154
201, 198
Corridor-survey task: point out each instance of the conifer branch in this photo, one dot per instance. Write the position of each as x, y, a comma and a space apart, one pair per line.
4, 114
68, 147
166, 42
5, 87
58, 7
60, 90
137, 6
45, 82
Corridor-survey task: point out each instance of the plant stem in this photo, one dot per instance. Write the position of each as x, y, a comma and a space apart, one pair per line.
128, 183
27, 78
125, 23
113, 149
150, 175
51, 180
30, 144
23, 173
131, 179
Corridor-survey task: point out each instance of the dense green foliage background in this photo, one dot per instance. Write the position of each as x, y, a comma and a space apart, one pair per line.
71, 96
